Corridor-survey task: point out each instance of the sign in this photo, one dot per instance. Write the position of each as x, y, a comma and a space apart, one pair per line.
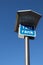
26, 31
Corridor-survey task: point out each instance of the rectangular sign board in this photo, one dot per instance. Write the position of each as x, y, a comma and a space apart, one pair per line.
26, 31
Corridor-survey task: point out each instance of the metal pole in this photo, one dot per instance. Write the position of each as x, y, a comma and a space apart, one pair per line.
27, 55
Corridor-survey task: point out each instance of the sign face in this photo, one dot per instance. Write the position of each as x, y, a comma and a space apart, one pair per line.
26, 31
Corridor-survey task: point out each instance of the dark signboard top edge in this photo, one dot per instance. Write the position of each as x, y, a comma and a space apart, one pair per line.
26, 11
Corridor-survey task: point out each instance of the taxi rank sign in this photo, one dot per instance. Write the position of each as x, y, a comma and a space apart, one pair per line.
26, 31
25, 19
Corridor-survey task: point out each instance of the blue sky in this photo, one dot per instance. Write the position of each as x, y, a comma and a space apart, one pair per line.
12, 47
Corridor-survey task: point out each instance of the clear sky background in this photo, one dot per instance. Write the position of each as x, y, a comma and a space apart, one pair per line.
12, 47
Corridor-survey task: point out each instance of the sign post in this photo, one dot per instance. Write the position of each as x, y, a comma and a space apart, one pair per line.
26, 21
27, 53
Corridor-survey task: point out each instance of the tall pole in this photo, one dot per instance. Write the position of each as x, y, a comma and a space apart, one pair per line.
27, 53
